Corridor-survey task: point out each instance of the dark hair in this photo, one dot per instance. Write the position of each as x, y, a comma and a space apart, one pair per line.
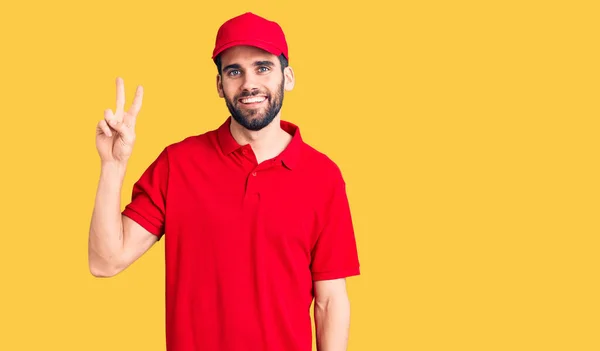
282, 60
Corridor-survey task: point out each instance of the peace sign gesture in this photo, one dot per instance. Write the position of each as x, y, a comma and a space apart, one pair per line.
115, 134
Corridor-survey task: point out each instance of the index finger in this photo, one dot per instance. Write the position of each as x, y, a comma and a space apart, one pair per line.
137, 101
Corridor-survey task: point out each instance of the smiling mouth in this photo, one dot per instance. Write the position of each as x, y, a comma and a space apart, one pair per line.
252, 100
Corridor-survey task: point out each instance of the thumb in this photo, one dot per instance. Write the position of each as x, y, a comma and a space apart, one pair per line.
125, 133
120, 127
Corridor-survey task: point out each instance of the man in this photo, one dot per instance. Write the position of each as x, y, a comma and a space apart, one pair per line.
256, 222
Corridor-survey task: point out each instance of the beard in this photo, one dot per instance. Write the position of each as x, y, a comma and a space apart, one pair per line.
256, 119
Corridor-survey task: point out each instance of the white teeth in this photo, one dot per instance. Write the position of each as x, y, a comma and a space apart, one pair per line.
253, 99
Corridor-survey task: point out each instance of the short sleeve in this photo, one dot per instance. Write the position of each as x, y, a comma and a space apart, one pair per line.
335, 252
149, 194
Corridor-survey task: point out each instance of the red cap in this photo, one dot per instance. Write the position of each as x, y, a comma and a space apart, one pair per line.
250, 29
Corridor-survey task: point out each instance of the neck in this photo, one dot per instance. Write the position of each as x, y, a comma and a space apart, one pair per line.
266, 143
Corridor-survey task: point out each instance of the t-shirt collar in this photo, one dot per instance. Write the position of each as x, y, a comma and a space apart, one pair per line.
290, 156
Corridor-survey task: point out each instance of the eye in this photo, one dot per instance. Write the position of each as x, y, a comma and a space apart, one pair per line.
233, 72
263, 69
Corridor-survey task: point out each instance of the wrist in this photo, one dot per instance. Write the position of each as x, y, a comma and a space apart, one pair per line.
118, 167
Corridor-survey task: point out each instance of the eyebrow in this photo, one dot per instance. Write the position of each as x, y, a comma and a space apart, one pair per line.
232, 66
255, 64
264, 63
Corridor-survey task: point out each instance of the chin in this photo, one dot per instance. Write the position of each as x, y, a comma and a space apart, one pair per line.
255, 123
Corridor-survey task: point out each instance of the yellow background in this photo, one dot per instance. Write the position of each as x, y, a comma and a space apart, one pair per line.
467, 133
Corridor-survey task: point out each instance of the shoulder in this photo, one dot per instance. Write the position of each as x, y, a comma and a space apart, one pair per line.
326, 183
321, 165
194, 144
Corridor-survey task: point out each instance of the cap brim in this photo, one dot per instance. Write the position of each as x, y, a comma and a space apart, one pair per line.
256, 43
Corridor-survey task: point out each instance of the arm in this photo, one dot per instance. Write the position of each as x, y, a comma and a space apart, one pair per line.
115, 241
332, 315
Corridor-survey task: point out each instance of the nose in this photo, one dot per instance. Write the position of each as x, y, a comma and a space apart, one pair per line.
250, 82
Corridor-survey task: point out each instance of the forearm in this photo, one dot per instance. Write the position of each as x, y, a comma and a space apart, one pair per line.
332, 323
106, 228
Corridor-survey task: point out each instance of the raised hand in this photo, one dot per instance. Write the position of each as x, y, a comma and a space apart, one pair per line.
115, 134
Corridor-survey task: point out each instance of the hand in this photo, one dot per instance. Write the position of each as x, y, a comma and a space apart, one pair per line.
115, 134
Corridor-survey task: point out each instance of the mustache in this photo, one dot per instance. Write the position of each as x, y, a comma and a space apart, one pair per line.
252, 93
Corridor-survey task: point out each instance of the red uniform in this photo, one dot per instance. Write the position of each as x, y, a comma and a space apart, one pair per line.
244, 241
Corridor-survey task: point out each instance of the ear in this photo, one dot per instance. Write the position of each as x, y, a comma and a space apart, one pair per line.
290, 80
220, 86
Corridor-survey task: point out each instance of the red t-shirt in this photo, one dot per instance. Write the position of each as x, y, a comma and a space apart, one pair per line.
244, 241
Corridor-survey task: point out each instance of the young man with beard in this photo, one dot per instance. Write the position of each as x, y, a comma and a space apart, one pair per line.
256, 222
